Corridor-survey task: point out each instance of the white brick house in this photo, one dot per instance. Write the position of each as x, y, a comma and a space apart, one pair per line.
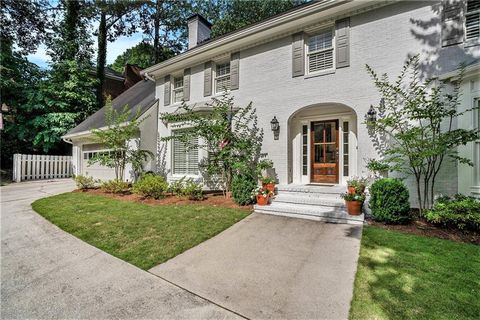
306, 68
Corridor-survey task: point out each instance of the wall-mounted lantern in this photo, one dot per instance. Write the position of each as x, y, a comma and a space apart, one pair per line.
275, 127
371, 115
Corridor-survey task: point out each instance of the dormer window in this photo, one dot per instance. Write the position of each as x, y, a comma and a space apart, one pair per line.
320, 52
222, 77
178, 89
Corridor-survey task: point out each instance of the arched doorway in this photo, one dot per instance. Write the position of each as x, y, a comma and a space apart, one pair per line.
322, 144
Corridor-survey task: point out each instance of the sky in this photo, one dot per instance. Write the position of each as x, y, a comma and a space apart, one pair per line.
114, 49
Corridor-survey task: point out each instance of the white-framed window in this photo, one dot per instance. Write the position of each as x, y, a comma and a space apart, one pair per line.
222, 76
177, 89
185, 160
320, 52
472, 21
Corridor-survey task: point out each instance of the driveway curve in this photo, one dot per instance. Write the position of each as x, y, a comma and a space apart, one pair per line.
48, 273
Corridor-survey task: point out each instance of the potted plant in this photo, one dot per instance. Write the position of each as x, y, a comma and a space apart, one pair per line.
262, 196
354, 202
268, 183
356, 185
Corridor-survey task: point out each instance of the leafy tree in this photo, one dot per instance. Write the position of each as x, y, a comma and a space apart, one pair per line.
115, 18
24, 23
229, 135
116, 138
163, 22
141, 54
241, 13
18, 79
418, 120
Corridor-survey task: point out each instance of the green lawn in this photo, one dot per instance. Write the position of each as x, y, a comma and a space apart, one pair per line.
141, 234
403, 276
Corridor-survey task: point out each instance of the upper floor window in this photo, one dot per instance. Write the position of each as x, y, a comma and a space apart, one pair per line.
177, 89
472, 20
320, 52
222, 77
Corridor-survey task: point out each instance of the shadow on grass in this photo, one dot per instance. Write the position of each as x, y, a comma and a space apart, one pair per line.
411, 277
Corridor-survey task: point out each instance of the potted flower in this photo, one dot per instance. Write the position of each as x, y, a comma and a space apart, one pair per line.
262, 196
356, 185
354, 202
268, 183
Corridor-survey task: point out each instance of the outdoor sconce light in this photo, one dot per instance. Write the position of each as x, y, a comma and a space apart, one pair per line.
371, 114
275, 127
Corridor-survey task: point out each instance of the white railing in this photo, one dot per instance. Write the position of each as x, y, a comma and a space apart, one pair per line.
38, 167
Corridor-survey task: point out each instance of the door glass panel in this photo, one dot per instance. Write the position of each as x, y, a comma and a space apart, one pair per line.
318, 153
318, 132
330, 135
330, 153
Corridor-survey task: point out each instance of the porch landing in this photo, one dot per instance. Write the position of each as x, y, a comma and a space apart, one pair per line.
314, 202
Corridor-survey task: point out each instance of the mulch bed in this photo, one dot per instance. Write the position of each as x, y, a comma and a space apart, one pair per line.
422, 227
211, 199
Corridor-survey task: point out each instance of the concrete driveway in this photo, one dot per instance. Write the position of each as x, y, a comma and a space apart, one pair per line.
49, 274
271, 267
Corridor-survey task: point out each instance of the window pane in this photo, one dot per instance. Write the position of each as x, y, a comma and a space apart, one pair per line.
223, 69
178, 83
320, 61
185, 160
320, 41
223, 84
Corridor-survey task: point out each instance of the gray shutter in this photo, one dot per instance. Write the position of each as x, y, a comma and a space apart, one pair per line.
342, 43
186, 84
298, 55
207, 79
452, 22
166, 91
234, 69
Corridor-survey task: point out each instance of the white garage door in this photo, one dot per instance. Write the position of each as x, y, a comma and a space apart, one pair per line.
95, 170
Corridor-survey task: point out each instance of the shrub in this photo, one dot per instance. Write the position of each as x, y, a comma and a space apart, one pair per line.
151, 186
115, 186
389, 201
192, 190
460, 212
84, 182
176, 187
242, 186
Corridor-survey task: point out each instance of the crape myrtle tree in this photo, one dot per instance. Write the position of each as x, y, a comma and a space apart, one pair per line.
230, 136
120, 130
417, 119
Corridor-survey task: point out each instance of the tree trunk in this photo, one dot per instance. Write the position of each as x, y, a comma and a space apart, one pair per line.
72, 20
101, 58
156, 37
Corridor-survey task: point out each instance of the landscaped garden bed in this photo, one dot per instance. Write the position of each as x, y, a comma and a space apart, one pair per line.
405, 276
214, 199
142, 234
422, 227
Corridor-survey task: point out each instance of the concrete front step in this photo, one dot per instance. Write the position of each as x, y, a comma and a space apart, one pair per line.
312, 189
313, 212
316, 199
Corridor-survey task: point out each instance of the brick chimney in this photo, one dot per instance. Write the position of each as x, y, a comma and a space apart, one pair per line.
198, 30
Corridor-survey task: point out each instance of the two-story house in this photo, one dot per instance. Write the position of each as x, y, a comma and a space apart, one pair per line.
306, 69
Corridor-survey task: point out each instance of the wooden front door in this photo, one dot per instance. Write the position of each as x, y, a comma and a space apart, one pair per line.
324, 151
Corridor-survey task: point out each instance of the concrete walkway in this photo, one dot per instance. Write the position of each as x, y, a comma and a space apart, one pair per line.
272, 267
49, 274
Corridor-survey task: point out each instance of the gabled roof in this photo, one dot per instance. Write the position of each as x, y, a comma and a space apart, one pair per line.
139, 98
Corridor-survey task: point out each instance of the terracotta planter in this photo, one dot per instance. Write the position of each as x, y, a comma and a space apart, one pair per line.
261, 200
354, 208
351, 190
269, 186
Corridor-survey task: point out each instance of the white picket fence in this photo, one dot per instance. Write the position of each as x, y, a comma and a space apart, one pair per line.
38, 167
